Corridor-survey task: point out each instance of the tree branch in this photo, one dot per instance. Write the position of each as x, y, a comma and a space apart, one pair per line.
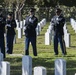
22, 5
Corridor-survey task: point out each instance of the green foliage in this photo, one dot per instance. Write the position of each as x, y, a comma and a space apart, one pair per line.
69, 3
41, 3
1, 1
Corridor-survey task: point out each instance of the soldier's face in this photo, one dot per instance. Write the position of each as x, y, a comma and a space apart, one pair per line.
58, 13
32, 13
9, 17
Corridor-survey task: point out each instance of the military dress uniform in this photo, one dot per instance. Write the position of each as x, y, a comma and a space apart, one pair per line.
10, 25
2, 30
30, 33
57, 25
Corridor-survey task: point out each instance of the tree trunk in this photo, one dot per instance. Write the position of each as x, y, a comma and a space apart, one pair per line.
47, 12
18, 15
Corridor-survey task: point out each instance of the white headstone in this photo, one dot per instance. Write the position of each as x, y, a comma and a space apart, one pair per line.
44, 21
1, 56
4, 68
41, 23
37, 30
47, 38
14, 39
23, 30
51, 32
21, 24
48, 30
24, 22
65, 27
65, 31
19, 33
40, 70
75, 73
67, 39
39, 27
24, 26
60, 67
73, 23
16, 20
17, 25
26, 65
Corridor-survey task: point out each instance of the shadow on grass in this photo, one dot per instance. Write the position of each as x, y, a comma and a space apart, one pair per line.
15, 65
41, 35
73, 46
71, 72
71, 67
73, 34
71, 64
48, 63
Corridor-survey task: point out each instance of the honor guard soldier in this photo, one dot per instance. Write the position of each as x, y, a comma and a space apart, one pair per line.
30, 32
2, 30
58, 22
10, 33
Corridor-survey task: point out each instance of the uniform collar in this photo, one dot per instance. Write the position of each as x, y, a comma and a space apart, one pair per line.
31, 16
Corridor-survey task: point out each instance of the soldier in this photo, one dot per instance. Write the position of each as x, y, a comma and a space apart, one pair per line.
58, 22
2, 30
30, 31
10, 34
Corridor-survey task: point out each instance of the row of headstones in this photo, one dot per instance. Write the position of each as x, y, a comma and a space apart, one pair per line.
4, 66
60, 67
50, 34
73, 24
20, 27
67, 35
40, 25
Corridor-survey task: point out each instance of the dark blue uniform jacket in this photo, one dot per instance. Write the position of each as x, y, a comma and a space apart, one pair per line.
2, 26
30, 26
58, 24
11, 24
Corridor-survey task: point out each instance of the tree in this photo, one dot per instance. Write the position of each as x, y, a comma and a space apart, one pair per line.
1, 1
16, 6
19, 6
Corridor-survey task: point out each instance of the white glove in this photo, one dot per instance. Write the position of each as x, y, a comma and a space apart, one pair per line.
8, 25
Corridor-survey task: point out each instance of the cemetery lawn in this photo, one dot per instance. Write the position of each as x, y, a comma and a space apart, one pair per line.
45, 56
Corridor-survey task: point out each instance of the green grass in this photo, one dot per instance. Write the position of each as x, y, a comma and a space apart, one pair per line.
45, 56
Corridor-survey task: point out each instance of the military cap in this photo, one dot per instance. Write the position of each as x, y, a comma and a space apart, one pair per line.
32, 10
58, 10
10, 13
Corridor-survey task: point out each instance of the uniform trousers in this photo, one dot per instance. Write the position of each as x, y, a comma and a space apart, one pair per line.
60, 39
2, 46
9, 43
33, 43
